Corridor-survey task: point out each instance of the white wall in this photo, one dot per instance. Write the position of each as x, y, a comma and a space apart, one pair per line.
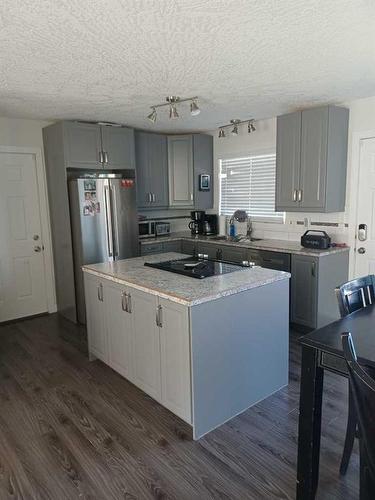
21, 133
362, 119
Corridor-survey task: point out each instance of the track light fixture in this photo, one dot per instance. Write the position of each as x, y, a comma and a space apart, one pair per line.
152, 116
234, 124
172, 102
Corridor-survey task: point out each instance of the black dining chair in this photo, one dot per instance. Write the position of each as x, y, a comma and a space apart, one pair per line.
362, 387
352, 296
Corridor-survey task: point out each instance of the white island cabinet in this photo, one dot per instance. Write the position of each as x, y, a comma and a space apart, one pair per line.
205, 349
144, 338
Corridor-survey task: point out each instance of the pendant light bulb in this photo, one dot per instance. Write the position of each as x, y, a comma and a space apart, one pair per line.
234, 130
194, 108
173, 113
152, 116
221, 133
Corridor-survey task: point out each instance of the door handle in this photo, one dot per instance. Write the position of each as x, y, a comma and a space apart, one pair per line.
361, 250
109, 221
101, 159
149, 197
153, 198
37, 248
313, 269
362, 232
124, 301
105, 154
100, 292
115, 236
300, 193
295, 195
129, 303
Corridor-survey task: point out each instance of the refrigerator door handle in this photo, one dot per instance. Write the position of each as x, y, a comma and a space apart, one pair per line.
108, 216
114, 222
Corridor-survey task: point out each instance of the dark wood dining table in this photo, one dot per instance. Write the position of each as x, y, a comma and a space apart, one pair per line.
322, 350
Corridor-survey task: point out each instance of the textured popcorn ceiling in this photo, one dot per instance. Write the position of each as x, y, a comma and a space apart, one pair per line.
112, 59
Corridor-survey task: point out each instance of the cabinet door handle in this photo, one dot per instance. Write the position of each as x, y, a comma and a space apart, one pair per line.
100, 292
300, 192
149, 197
129, 303
191, 197
124, 301
153, 198
313, 269
101, 159
105, 156
295, 195
159, 316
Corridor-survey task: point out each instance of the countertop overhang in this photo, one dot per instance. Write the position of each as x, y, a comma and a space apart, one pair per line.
178, 288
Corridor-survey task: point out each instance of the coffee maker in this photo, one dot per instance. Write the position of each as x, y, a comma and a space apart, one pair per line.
196, 225
210, 224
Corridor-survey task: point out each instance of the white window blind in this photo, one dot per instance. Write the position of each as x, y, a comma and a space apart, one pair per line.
248, 183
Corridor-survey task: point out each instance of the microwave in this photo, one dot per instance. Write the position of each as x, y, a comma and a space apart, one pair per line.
151, 229
147, 229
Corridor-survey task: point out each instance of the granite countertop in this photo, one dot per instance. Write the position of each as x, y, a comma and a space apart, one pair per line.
286, 246
178, 288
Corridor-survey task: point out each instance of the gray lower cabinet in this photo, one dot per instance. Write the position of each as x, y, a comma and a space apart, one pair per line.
304, 290
181, 171
118, 148
152, 170
313, 283
311, 160
232, 254
189, 247
159, 247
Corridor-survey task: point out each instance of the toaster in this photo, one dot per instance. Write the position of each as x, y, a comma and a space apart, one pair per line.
316, 239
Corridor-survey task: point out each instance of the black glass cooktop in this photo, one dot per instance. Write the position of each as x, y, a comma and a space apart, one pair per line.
197, 268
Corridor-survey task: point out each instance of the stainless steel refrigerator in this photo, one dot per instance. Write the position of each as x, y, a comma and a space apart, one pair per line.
104, 224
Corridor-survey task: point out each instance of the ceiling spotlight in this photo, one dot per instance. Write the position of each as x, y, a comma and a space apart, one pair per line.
251, 126
152, 116
194, 108
173, 114
221, 133
235, 123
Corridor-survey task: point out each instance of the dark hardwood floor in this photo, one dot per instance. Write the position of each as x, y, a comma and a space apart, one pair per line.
73, 429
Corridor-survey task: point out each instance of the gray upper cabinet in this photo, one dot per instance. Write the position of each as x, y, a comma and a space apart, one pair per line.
82, 145
92, 146
118, 148
311, 160
152, 170
288, 157
203, 164
180, 171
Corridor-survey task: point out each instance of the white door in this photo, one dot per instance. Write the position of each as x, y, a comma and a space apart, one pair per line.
119, 328
22, 273
365, 250
146, 343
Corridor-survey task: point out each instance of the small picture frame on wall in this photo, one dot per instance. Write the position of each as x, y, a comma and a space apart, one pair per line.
204, 182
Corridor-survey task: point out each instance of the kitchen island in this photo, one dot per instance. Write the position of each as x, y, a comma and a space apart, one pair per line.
205, 349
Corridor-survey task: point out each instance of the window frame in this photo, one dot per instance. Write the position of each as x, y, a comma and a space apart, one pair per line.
247, 154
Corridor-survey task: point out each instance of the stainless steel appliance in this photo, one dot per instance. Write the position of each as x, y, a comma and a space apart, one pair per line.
162, 228
197, 221
147, 229
104, 224
198, 267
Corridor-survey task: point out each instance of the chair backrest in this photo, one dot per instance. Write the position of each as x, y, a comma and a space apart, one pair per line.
362, 386
356, 294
